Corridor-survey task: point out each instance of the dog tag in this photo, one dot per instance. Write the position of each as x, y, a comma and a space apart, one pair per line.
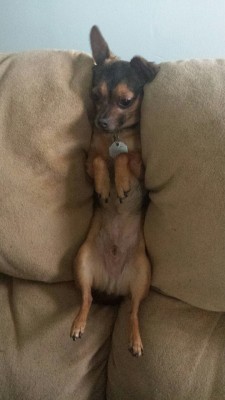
117, 148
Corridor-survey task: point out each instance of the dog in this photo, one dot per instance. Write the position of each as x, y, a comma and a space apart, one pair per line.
113, 257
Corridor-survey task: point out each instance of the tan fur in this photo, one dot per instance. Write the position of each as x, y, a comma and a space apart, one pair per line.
122, 91
103, 89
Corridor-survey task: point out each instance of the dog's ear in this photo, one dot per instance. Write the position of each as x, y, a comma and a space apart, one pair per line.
99, 47
146, 70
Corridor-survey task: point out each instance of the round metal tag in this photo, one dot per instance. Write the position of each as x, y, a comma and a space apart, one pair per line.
117, 148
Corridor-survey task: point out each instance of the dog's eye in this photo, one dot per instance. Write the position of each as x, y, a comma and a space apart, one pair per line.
124, 103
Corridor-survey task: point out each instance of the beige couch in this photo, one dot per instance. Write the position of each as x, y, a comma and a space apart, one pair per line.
45, 210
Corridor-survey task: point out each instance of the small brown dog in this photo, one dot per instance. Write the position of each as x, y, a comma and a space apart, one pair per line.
113, 257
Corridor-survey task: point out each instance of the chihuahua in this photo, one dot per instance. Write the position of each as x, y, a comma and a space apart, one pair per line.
113, 257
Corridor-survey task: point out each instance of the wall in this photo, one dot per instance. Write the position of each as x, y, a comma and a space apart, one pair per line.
157, 29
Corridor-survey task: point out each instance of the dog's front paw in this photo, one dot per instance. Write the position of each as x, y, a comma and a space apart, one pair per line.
77, 329
122, 188
103, 191
122, 176
101, 178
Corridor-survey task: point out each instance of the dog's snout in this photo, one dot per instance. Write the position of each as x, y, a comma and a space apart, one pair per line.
103, 122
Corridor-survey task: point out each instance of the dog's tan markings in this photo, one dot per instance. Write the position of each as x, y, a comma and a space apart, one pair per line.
103, 89
122, 91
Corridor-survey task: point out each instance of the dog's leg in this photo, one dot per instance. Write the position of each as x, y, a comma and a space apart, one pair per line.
123, 175
84, 278
135, 346
79, 322
139, 289
101, 178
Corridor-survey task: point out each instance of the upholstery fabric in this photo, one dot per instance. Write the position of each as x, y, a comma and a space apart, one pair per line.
38, 359
184, 349
183, 139
45, 211
46, 201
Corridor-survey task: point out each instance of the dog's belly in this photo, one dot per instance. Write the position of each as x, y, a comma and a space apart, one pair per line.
116, 244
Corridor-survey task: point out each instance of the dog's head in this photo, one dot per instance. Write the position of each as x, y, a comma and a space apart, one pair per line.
117, 87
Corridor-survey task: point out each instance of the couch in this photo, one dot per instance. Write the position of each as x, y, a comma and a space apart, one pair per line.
45, 210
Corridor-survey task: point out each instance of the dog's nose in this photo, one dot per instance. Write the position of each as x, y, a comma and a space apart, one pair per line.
103, 123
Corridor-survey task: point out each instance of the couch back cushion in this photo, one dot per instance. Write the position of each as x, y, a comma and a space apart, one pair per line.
45, 198
183, 138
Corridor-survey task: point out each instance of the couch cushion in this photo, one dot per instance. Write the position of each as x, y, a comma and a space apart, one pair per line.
38, 359
44, 134
184, 350
183, 137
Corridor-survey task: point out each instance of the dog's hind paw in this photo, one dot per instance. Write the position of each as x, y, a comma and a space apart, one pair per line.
136, 352
77, 330
75, 337
136, 348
